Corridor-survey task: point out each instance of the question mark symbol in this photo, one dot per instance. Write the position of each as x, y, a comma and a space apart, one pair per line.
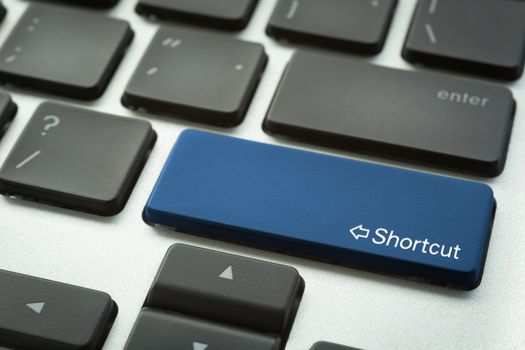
52, 121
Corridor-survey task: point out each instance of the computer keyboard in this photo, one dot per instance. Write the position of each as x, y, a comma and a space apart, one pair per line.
103, 90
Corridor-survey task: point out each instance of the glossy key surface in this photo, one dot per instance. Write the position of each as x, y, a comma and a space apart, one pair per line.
485, 37
227, 288
420, 117
222, 14
63, 51
350, 25
78, 159
197, 76
333, 209
38, 314
172, 331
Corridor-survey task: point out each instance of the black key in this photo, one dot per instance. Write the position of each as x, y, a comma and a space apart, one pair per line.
8, 111
322, 345
419, 117
78, 159
163, 330
222, 14
197, 76
38, 314
471, 36
227, 288
63, 51
351, 25
90, 3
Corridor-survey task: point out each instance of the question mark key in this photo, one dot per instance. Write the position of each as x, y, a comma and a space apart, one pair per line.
87, 161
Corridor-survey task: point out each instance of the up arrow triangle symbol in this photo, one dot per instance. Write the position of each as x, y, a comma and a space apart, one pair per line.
199, 346
227, 274
36, 307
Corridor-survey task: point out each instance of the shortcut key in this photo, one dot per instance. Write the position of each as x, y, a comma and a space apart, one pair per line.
377, 218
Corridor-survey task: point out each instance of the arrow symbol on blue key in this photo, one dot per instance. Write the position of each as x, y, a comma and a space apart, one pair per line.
360, 232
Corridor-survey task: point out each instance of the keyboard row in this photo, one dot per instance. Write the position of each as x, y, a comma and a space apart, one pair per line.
336, 101
447, 34
200, 299
430, 228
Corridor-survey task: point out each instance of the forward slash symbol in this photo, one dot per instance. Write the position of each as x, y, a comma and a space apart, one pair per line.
28, 159
430, 33
360, 232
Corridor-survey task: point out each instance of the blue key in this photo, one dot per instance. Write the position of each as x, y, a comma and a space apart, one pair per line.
395, 221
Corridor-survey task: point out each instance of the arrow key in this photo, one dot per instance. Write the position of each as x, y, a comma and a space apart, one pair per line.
38, 314
229, 289
171, 331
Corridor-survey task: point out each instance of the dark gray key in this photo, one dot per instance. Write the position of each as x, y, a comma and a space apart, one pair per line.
350, 25
38, 314
197, 76
227, 288
8, 111
78, 159
471, 36
322, 345
419, 117
222, 14
161, 330
63, 51
90, 3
